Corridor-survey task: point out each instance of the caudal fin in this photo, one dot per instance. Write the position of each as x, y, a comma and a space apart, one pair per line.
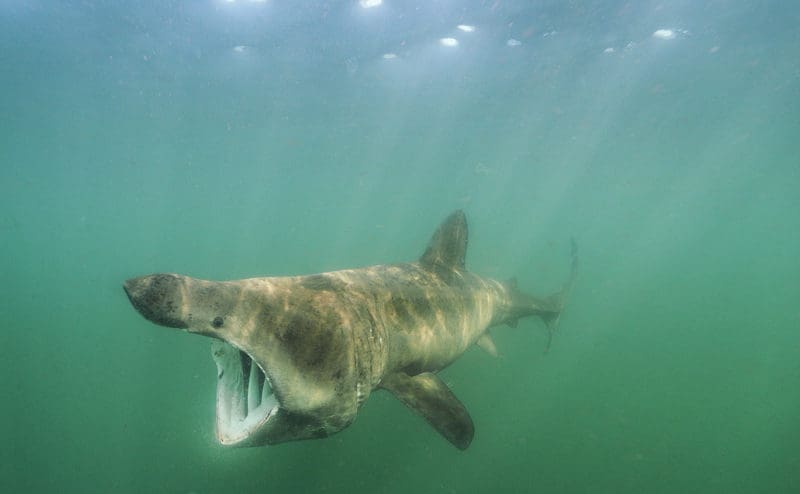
558, 301
548, 308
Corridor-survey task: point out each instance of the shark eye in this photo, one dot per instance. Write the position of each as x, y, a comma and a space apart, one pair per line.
217, 322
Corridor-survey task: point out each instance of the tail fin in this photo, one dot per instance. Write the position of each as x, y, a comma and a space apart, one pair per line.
548, 308
557, 301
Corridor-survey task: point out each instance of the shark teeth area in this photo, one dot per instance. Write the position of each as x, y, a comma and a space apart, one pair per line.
245, 398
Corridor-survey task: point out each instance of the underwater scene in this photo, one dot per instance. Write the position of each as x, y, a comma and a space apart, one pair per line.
400, 246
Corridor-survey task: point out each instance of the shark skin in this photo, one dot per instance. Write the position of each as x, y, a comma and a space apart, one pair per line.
297, 356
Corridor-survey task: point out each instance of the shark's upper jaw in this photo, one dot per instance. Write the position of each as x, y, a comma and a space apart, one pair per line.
245, 398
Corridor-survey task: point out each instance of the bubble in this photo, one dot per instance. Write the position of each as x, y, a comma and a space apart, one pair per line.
664, 34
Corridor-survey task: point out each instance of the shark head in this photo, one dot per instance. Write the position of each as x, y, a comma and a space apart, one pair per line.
282, 374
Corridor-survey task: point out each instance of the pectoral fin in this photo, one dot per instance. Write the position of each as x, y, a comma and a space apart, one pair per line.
428, 396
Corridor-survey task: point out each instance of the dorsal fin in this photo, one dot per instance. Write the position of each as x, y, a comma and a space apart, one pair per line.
448, 246
511, 283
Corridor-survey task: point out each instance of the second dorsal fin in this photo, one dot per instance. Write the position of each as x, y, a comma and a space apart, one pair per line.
448, 246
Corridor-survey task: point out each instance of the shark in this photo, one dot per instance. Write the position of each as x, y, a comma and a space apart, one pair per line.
297, 356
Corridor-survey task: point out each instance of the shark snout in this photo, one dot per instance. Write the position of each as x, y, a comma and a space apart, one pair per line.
159, 298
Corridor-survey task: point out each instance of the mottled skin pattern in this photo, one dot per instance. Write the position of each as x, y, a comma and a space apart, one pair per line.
327, 340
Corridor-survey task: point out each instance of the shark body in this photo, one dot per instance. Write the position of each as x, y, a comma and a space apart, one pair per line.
296, 356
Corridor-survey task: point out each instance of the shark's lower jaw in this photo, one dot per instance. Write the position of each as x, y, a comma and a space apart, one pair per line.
245, 398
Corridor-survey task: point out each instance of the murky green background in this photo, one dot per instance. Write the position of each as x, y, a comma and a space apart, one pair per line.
228, 140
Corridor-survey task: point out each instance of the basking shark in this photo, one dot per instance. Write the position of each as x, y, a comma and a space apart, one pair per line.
296, 356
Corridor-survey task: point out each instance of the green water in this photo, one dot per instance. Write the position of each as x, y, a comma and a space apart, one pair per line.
136, 138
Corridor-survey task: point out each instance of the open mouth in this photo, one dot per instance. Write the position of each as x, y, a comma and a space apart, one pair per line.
245, 398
